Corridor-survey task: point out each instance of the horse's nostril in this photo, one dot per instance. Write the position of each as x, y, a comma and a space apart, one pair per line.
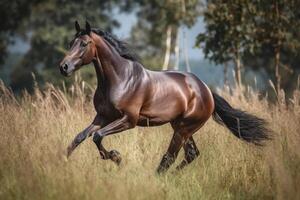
65, 67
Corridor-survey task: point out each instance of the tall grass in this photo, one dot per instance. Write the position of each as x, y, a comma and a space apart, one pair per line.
36, 129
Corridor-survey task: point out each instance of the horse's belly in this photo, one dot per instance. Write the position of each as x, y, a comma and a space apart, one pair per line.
148, 121
161, 112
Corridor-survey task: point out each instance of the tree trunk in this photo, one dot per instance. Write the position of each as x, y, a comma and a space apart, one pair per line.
185, 49
225, 73
168, 48
277, 50
238, 68
277, 63
176, 51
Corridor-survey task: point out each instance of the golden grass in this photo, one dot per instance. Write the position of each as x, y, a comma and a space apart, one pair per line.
36, 129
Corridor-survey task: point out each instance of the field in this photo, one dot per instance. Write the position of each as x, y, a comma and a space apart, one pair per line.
36, 129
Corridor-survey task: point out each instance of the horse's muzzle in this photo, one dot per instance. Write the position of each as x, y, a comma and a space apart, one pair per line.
63, 72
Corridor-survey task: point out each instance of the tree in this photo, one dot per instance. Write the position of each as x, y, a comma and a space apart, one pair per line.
160, 21
51, 28
12, 14
227, 35
259, 34
277, 29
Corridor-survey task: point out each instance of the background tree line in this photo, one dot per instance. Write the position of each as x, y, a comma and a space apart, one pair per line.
256, 35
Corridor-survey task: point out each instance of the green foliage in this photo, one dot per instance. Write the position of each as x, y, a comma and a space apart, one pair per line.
154, 16
228, 30
12, 14
51, 28
256, 30
277, 32
249, 30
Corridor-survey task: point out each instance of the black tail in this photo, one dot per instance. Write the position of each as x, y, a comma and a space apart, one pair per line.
243, 125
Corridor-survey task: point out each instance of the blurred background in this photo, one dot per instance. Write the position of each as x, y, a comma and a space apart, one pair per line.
251, 43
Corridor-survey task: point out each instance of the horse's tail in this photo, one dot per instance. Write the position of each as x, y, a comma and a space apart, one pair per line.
243, 125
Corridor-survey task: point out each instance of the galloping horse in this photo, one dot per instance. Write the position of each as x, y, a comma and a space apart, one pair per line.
129, 95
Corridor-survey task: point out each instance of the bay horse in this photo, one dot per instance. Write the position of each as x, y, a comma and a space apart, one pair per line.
129, 95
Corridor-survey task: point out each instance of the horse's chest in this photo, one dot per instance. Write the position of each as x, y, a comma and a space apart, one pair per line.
103, 106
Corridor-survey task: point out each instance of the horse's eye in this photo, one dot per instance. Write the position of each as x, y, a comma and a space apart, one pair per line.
83, 44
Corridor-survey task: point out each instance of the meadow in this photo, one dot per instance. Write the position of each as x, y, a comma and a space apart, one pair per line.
36, 129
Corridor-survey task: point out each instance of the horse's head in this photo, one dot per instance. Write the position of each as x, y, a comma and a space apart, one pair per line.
82, 51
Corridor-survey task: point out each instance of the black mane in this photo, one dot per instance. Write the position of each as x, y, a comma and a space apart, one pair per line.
120, 46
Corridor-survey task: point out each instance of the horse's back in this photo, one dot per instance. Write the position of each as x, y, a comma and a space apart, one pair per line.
177, 94
166, 98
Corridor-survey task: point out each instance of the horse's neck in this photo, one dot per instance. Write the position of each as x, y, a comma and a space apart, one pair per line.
100, 73
109, 64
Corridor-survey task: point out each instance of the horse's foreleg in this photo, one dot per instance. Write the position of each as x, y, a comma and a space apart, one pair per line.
116, 126
87, 132
113, 154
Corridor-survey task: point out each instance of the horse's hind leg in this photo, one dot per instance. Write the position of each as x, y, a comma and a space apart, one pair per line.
169, 158
191, 152
113, 154
183, 131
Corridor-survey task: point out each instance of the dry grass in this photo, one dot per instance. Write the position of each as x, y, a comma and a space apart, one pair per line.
35, 131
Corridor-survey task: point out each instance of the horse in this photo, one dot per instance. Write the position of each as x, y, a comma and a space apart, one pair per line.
129, 95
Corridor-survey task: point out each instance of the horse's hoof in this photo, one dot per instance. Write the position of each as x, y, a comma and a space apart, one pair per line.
69, 151
182, 165
161, 170
115, 156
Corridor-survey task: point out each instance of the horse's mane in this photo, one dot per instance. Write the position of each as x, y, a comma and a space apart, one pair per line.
121, 47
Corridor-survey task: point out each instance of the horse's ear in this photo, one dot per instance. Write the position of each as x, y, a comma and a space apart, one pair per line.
87, 27
77, 27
